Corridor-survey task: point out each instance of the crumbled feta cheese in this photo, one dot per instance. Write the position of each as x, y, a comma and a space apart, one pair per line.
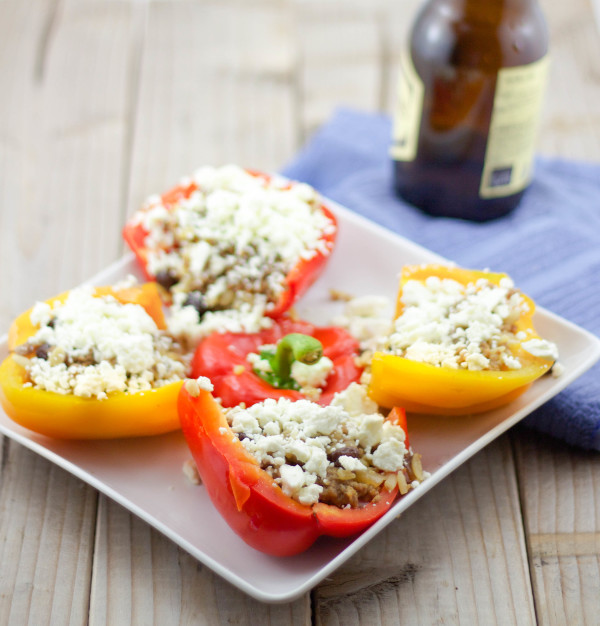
126, 283
183, 321
367, 319
296, 439
310, 494
447, 324
204, 383
541, 348
351, 464
98, 345
354, 400
258, 363
309, 378
190, 471
233, 240
557, 369
322, 422
511, 362
41, 313
292, 478
389, 455
246, 423
314, 375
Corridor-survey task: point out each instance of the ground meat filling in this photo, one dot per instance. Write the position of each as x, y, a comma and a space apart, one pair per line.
343, 454
55, 354
238, 271
342, 488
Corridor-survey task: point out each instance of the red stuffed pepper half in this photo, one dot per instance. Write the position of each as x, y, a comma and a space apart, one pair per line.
284, 473
291, 359
232, 247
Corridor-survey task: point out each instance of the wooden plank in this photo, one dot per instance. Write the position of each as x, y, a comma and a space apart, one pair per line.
216, 87
20, 34
340, 58
456, 557
560, 490
64, 135
571, 121
141, 577
560, 485
46, 541
64, 71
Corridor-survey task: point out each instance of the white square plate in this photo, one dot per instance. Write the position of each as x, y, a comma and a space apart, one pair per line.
145, 475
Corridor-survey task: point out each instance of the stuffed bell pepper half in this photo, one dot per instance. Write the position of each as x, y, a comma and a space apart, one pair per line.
463, 342
231, 248
94, 363
291, 359
283, 473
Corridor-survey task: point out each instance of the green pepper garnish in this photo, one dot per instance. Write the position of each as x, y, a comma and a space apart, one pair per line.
292, 347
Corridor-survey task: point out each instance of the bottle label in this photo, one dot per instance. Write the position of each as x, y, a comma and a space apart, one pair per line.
507, 168
409, 107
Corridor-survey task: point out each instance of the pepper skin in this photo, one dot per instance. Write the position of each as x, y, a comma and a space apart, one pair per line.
424, 388
72, 417
298, 280
218, 356
248, 498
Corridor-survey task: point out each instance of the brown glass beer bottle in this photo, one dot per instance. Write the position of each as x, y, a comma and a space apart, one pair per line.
469, 100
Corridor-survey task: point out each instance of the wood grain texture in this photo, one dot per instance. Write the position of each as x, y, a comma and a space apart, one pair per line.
571, 121
21, 30
215, 86
560, 491
559, 485
46, 541
140, 577
64, 130
458, 556
340, 52
62, 135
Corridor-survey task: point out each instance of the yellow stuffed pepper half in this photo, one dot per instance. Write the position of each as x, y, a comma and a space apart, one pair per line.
463, 342
83, 391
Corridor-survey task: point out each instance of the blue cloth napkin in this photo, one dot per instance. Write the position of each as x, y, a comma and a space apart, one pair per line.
550, 245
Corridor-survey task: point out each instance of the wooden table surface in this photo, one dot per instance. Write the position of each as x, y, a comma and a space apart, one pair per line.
104, 102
